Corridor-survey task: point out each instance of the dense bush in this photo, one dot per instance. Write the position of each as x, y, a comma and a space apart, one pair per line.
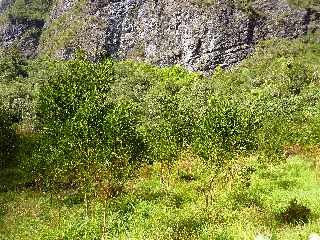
168, 122
92, 125
12, 65
8, 139
15, 104
106, 118
226, 128
84, 134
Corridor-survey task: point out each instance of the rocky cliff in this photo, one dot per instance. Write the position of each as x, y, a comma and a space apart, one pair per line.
198, 34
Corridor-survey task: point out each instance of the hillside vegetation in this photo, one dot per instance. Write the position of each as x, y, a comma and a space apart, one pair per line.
127, 150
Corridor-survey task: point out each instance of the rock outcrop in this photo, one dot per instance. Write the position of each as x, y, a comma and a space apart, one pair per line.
21, 33
4, 5
196, 34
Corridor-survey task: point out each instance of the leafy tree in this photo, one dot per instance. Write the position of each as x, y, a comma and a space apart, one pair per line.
12, 66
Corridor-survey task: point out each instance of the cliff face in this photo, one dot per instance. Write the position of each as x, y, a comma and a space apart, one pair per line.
198, 37
22, 33
21, 24
191, 33
4, 4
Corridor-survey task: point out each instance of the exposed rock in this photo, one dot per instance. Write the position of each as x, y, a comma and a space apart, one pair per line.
167, 32
4, 4
61, 7
21, 33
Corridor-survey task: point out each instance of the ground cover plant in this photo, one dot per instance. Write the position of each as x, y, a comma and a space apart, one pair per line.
127, 150
32, 10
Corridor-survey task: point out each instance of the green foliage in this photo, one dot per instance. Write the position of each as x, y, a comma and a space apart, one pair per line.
286, 181
84, 134
15, 104
12, 66
168, 124
311, 4
108, 117
105, 128
8, 138
226, 128
30, 9
244, 201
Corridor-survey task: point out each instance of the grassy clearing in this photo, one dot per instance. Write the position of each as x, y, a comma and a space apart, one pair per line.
192, 202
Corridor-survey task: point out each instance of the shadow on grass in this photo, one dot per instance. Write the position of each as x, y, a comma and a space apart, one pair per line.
295, 213
11, 179
187, 227
169, 198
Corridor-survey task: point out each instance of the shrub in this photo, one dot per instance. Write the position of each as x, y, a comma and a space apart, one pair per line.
84, 133
96, 118
8, 138
17, 106
226, 129
169, 131
167, 119
12, 66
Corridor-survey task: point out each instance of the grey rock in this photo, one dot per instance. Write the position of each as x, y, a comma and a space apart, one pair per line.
21, 33
167, 32
5, 4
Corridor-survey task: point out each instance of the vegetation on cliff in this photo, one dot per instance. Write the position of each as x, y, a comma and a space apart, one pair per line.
31, 9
